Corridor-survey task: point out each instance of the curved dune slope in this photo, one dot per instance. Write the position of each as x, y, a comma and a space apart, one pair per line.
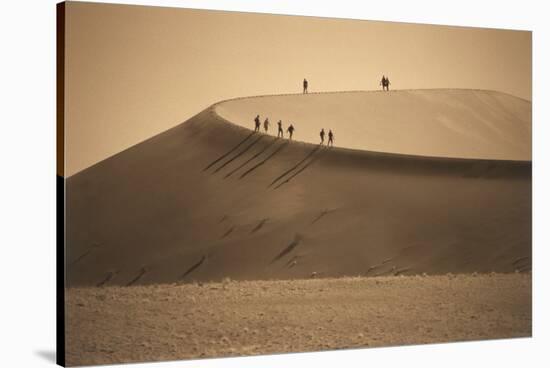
208, 199
445, 123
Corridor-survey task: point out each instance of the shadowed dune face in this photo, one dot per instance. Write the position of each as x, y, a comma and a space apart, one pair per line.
208, 199
441, 123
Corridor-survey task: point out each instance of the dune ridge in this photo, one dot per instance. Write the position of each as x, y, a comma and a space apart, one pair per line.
210, 199
451, 123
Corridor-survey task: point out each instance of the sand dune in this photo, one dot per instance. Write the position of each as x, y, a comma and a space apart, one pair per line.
210, 199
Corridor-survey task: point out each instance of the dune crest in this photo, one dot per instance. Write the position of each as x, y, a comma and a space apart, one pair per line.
452, 123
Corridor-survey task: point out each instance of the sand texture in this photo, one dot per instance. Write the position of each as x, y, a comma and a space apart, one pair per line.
168, 322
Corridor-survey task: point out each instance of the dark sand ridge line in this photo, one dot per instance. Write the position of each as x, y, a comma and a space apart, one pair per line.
152, 205
410, 163
468, 167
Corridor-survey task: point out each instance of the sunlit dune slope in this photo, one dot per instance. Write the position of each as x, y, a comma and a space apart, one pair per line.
444, 123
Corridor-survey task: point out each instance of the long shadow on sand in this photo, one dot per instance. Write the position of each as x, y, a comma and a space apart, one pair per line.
239, 154
193, 267
84, 255
320, 216
141, 273
259, 226
228, 232
110, 275
229, 152
288, 249
279, 149
311, 153
312, 159
252, 158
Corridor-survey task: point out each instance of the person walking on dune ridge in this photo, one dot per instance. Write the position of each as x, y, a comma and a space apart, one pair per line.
257, 123
305, 85
290, 130
266, 125
322, 134
330, 138
280, 131
385, 83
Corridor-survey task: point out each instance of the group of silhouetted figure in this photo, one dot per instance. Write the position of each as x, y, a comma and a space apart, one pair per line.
330, 137
280, 133
385, 83
289, 130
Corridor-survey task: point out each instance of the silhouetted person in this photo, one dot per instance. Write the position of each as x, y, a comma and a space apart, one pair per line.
266, 124
290, 130
305, 85
385, 83
280, 132
257, 121
322, 134
330, 138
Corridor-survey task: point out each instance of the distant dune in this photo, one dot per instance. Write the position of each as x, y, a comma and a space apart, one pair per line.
431, 181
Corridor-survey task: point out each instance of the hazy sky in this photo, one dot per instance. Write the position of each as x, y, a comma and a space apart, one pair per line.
135, 71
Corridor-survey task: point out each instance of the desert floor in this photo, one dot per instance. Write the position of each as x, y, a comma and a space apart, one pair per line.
186, 321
